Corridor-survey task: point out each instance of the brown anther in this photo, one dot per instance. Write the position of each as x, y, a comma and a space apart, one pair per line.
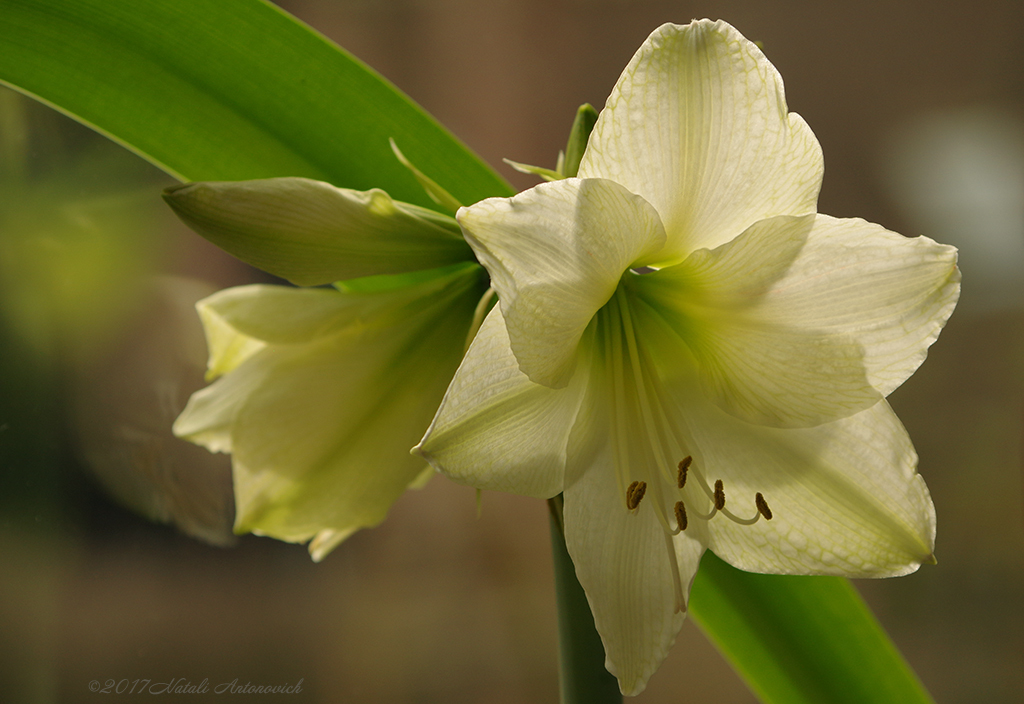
634, 494
680, 515
684, 464
762, 506
719, 495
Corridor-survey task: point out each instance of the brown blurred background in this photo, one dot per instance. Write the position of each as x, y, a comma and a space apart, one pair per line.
919, 107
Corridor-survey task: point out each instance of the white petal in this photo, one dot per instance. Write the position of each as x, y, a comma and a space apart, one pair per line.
311, 233
845, 496
761, 368
240, 321
622, 558
320, 427
227, 347
555, 254
498, 430
289, 316
210, 413
698, 125
326, 540
889, 293
279, 314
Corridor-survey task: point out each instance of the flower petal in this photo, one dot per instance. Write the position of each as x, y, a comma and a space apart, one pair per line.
698, 125
210, 413
289, 316
801, 321
227, 347
320, 428
477, 436
846, 498
622, 557
890, 293
312, 233
764, 370
555, 254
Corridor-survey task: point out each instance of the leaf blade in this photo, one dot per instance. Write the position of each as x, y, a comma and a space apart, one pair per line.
800, 639
228, 91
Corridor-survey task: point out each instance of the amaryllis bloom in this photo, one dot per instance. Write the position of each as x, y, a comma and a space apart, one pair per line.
692, 354
319, 392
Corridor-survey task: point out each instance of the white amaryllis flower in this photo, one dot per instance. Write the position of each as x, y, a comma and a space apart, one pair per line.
692, 355
319, 392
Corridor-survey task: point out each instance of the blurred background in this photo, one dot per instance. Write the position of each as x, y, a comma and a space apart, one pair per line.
919, 107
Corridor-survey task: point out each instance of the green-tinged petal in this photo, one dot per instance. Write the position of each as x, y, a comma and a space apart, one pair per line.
323, 444
326, 540
845, 496
890, 293
489, 410
312, 233
319, 423
227, 347
801, 321
289, 316
760, 369
555, 254
209, 415
698, 125
622, 557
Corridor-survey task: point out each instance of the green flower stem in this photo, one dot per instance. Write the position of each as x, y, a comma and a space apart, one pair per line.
582, 677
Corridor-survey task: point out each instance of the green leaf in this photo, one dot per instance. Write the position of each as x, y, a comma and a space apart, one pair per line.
230, 90
800, 639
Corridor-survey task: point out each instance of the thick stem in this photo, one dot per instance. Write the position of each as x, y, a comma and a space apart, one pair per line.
582, 677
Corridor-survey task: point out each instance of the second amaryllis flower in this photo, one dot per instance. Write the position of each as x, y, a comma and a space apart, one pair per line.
319, 392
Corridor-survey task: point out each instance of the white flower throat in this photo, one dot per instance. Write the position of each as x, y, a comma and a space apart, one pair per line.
646, 441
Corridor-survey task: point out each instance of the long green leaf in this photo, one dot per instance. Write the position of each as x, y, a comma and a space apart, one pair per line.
229, 90
236, 89
800, 639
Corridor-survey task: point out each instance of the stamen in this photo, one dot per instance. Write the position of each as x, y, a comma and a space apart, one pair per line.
634, 494
762, 506
684, 464
719, 495
694, 511
681, 515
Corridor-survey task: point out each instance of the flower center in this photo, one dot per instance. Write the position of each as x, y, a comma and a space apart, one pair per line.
644, 438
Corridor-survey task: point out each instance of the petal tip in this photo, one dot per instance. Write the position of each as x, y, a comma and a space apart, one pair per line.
177, 189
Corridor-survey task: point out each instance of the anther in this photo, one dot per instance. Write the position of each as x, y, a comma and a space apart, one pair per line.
634, 494
684, 464
762, 506
719, 495
680, 515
